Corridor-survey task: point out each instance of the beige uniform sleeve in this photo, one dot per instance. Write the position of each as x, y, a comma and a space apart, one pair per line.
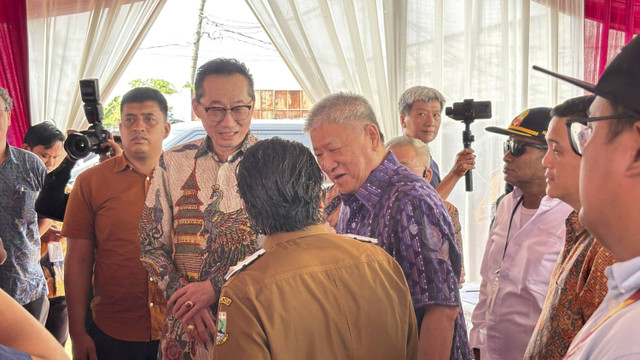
239, 333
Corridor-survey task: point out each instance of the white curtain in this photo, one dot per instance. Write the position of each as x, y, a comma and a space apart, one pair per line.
74, 39
480, 49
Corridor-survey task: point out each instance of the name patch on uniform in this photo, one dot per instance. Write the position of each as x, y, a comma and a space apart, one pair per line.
225, 300
222, 335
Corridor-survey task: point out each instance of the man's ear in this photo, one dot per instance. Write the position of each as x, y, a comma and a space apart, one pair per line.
428, 174
402, 121
26, 147
197, 109
167, 129
372, 133
633, 170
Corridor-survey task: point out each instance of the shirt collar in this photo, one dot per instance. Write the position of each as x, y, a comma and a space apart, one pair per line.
372, 190
10, 154
625, 276
273, 240
206, 147
121, 163
546, 203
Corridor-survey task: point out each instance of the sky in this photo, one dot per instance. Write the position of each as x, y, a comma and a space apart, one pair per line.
231, 31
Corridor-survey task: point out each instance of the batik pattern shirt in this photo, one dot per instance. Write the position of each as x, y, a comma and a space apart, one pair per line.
21, 179
411, 223
578, 286
193, 228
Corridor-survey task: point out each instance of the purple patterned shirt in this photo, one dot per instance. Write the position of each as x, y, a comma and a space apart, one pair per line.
411, 223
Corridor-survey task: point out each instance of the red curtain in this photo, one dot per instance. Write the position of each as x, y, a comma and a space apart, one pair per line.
14, 66
608, 26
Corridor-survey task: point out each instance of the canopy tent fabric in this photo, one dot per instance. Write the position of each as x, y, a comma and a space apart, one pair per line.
14, 66
466, 49
70, 40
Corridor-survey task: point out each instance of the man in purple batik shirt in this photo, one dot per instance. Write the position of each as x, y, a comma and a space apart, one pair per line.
384, 200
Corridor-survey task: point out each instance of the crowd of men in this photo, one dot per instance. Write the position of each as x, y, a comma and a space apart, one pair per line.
224, 247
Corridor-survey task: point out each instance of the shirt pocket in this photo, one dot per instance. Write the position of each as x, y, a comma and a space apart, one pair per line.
24, 202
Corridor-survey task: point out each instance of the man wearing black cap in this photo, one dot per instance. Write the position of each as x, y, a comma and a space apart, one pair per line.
609, 142
524, 243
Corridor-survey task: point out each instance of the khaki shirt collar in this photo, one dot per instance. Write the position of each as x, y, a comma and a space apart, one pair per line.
273, 240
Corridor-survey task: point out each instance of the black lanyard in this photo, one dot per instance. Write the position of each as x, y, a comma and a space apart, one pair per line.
513, 213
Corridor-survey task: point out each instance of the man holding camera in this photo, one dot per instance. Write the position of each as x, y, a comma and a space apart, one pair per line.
384, 200
524, 243
420, 110
101, 224
21, 179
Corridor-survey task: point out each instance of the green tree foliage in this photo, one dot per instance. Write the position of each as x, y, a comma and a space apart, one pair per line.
161, 85
112, 109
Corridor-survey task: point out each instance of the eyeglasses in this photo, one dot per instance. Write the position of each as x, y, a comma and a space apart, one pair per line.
580, 133
238, 113
517, 148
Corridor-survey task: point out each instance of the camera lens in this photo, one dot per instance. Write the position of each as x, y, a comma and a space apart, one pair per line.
77, 146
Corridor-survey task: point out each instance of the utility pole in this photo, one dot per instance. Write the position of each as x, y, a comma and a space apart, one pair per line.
196, 49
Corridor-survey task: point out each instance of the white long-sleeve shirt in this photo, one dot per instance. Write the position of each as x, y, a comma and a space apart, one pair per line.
502, 330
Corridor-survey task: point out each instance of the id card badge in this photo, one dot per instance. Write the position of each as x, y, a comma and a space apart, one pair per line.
493, 291
55, 251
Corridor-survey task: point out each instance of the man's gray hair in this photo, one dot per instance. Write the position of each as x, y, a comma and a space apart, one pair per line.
423, 154
419, 93
8, 102
346, 109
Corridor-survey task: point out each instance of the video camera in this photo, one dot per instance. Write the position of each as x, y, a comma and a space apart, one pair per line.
80, 144
467, 111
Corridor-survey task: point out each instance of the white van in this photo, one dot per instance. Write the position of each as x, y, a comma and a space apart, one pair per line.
290, 129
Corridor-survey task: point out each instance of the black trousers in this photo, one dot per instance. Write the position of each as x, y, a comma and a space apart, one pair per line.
109, 348
58, 319
39, 308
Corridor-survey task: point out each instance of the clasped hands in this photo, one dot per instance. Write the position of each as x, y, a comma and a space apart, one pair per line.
191, 304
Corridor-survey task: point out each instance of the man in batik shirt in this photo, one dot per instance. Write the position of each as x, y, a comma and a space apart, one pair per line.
384, 200
21, 179
416, 156
578, 283
194, 226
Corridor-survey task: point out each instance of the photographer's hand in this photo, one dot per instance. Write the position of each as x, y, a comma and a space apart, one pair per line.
114, 149
465, 161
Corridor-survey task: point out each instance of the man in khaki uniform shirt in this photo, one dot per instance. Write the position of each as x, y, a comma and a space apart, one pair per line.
308, 294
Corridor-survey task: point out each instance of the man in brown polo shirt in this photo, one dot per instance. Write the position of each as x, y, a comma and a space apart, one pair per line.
312, 294
101, 224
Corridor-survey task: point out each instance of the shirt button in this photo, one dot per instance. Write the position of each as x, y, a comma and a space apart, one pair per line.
151, 279
151, 304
